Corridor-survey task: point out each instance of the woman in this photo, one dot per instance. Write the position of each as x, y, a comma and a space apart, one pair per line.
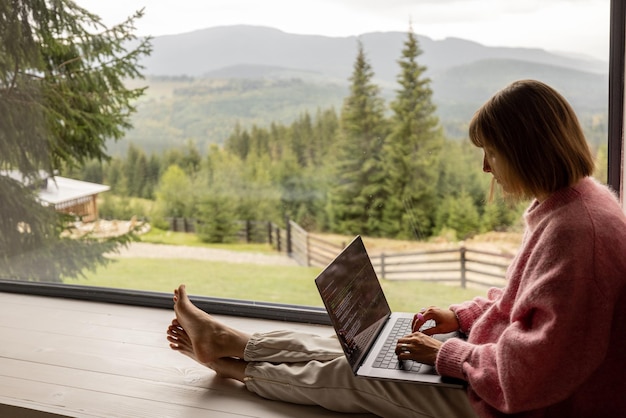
550, 344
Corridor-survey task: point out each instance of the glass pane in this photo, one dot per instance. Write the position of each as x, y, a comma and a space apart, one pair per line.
261, 142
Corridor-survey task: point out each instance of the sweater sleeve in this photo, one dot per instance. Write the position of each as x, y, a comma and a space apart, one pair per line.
467, 312
547, 347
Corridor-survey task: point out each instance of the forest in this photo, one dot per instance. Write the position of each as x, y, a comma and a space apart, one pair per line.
371, 168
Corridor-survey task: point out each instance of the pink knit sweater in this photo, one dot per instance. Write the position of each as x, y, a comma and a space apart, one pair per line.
553, 342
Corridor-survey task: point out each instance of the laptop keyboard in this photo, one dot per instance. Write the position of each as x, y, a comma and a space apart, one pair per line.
387, 358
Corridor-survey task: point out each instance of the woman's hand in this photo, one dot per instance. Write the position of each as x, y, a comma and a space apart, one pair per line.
418, 347
445, 320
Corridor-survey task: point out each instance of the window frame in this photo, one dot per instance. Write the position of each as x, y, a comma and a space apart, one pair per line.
617, 53
315, 315
219, 306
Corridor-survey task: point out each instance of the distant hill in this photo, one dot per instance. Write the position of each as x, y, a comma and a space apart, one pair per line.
201, 52
203, 82
205, 111
475, 82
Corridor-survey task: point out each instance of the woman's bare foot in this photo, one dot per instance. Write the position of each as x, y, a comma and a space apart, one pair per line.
199, 336
179, 340
227, 367
231, 368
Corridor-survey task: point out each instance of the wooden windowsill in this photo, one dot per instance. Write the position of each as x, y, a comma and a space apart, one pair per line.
62, 357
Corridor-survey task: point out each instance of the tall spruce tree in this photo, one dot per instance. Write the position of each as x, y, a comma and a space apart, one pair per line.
220, 191
357, 198
412, 151
61, 97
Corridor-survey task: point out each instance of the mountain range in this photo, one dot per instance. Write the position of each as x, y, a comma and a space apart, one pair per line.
463, 75
211, 51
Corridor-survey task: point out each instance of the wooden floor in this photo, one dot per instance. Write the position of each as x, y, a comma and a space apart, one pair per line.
61, 357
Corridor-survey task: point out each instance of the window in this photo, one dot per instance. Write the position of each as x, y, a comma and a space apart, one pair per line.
268, 177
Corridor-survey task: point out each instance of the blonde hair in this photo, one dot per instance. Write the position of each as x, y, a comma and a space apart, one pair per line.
537, 135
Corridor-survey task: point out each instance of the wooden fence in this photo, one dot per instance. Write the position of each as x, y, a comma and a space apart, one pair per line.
457, 265
249, 231
309, 250
462, 264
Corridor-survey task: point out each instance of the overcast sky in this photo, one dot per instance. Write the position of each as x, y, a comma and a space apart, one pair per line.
577, 26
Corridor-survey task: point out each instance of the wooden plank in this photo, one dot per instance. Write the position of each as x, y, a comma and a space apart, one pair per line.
80, 402
118, 322
94, 359
66, 388
152, 359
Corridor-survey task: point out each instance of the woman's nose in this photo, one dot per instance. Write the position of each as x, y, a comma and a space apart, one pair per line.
486, 166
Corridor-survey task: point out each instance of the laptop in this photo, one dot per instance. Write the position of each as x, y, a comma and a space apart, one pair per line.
365, 326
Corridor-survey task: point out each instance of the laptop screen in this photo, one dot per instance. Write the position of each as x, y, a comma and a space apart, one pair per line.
354, 300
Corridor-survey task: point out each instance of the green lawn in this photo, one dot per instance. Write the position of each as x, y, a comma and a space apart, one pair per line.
159, 236
292, 285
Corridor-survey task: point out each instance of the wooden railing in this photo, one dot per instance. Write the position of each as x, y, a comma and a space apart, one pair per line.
462, 264
456, 265
309, 250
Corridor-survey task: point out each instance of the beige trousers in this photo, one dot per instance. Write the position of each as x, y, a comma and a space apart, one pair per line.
312, 370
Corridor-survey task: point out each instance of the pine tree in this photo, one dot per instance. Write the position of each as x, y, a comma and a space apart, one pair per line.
154, 173
301, 139
221, 196
324, 136
216, 223
192, 159
412, 151
61, 97
259, 142
357, 198
278, 141
463, 216
136, 171
175, 193
238, 142
259, 198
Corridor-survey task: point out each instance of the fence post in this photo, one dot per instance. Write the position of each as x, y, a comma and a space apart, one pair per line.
269, 233
288, 229
279, 243
463, 271
248, 227
382, 265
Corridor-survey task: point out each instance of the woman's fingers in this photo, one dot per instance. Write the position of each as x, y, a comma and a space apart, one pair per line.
418, 347
445, 321
420, 319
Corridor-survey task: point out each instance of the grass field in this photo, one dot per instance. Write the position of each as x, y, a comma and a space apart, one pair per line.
282, 284
291, 285
159, 236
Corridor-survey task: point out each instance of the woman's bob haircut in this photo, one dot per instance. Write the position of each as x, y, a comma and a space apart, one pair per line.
538, 137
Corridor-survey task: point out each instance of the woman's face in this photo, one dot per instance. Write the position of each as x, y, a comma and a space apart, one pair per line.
492, 163
495, 164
